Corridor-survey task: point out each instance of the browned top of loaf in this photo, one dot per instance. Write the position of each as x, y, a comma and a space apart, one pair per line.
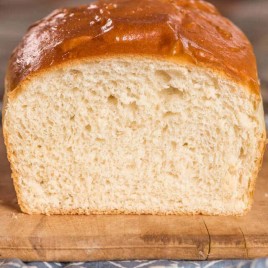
190, 30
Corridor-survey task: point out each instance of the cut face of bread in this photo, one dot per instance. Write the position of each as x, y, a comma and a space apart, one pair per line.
133, 135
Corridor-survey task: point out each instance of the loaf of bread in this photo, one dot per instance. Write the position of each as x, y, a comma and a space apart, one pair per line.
134, 106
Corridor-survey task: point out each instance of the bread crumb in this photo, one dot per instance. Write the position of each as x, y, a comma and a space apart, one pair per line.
142, 143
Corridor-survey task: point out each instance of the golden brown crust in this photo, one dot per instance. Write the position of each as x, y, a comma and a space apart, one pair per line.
190, 30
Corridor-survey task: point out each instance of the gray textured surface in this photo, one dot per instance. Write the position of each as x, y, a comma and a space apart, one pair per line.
260, 263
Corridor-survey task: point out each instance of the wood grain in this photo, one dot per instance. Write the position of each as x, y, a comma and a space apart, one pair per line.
81, 238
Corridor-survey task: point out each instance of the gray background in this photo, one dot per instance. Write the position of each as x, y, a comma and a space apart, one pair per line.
250, 15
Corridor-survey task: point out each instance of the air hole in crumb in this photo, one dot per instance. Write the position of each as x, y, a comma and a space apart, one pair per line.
50, 122
169, 114
176, 73
131, 166
255, 105
185, 144
75, 73
39, 146
163, 76
113, 83
172, 174
88, 127
72, 117
119, 132
112, 100
19, 135
100, 140
171, 91
69, 149
133, 125
205, 98
165, 129
242, 152
86, 101
133, 106
89, 109
75, 89
174, 145
130, 94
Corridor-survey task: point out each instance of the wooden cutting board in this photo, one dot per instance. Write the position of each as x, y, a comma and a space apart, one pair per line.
81, 238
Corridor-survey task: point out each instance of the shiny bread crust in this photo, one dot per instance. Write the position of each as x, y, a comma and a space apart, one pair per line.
189, 30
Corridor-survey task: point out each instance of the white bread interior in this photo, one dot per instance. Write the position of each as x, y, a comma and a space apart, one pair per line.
133, 135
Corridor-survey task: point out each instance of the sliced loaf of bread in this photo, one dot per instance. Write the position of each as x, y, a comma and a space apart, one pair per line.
138, 107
